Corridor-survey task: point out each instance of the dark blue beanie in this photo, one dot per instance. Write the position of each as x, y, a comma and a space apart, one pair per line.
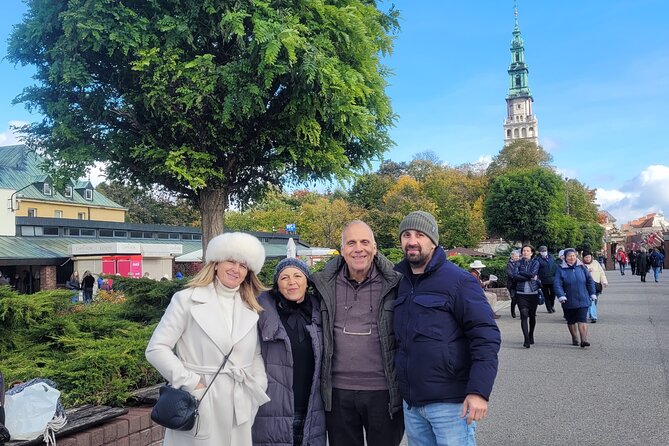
291, 263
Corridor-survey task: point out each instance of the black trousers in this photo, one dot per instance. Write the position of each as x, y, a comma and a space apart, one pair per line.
527, 304
356, 410
549, 295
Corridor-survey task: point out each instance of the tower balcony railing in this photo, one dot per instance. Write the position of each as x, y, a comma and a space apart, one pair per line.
520, 118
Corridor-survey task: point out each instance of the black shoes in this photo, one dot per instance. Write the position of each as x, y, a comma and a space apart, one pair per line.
574, 342
585, 344
526, 344
593, 321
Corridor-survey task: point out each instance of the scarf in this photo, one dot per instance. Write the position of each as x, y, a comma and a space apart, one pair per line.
298, 316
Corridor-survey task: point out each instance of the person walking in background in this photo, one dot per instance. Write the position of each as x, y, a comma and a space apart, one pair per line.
74, 285
291, 342
214, 317
575, 290
632, 259
510, 283
599, 276
358, 381
475, 269
656, 259
621, 258
642, 264
546, 276
87, 285
525, 275
447, 341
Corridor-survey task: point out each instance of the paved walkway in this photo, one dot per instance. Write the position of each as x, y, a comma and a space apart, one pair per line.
615, 392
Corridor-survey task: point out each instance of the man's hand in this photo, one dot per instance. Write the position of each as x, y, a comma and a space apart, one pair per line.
476, 406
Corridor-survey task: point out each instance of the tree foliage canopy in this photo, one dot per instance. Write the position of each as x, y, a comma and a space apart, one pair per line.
531, 206
520, 154
212, 100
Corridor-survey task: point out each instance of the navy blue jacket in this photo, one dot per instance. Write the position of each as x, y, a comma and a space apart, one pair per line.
274, 422
546, 269
526, 271
575, 283
447, 339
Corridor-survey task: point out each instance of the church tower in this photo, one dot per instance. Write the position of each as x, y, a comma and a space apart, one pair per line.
520, 123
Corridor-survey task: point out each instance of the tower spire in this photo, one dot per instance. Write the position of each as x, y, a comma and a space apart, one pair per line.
520, 123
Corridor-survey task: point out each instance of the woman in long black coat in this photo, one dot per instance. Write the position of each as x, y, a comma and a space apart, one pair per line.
642, 264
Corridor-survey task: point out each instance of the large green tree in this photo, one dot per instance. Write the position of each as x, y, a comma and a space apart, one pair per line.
213, 100
531, 206
518, 204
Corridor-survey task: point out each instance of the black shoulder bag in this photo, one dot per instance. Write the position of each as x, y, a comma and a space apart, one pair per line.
177, 409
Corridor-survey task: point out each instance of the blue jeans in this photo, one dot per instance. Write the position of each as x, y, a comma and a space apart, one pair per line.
438, 424
622, 267
656, 273
592, 311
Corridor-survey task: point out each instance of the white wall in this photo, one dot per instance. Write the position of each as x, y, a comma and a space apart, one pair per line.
7, 217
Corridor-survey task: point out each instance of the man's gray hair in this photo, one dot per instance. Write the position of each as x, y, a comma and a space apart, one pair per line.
356, 222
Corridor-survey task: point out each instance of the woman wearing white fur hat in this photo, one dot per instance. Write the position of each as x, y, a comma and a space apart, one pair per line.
215, 316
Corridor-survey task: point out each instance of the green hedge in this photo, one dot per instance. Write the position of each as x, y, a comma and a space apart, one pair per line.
92, 352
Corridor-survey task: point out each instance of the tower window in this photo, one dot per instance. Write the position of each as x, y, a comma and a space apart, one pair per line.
524, 132
515, 133
508, 133
517, 80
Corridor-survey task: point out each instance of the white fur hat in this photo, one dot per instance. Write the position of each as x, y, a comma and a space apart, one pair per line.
237, 246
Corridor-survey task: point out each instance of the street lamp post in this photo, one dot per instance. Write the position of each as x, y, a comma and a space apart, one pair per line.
17, 195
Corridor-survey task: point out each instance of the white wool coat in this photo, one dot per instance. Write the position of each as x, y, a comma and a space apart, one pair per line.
190, 342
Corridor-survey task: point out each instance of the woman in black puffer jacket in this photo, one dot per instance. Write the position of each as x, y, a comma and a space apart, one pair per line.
527, 292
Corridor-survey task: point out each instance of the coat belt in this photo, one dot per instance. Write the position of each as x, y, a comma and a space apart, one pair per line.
245, 391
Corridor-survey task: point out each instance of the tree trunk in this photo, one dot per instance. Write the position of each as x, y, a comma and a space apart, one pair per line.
212, 203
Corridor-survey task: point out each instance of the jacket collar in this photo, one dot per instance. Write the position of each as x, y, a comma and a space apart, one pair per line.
209, 316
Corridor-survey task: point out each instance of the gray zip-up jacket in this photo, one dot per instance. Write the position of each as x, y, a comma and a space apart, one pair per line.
324, 282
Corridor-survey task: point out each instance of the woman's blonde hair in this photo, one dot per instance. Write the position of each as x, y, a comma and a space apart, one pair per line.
249, 290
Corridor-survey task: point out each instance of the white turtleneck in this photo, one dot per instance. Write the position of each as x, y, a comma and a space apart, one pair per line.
226, 298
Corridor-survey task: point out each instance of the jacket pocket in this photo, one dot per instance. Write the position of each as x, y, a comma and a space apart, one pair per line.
457, 360
429, 319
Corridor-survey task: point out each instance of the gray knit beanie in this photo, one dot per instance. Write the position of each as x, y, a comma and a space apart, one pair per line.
290, 262
421, 221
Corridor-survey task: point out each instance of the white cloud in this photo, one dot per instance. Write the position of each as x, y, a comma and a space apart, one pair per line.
566, 173
646, 193
10, 137
484, 161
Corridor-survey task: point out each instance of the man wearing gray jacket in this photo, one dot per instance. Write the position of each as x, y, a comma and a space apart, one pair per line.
358, 383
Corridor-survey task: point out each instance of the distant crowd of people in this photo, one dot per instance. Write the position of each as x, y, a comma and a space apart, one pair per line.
641, 261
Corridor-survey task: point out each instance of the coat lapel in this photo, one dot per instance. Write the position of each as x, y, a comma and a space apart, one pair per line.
209, 316
244, 320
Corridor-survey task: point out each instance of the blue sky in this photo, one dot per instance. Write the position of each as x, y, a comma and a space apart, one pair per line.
599, 74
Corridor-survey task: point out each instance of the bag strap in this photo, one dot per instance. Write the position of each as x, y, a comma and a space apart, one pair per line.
225, 360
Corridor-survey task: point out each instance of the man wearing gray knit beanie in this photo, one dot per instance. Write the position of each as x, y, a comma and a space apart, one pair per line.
441, 317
